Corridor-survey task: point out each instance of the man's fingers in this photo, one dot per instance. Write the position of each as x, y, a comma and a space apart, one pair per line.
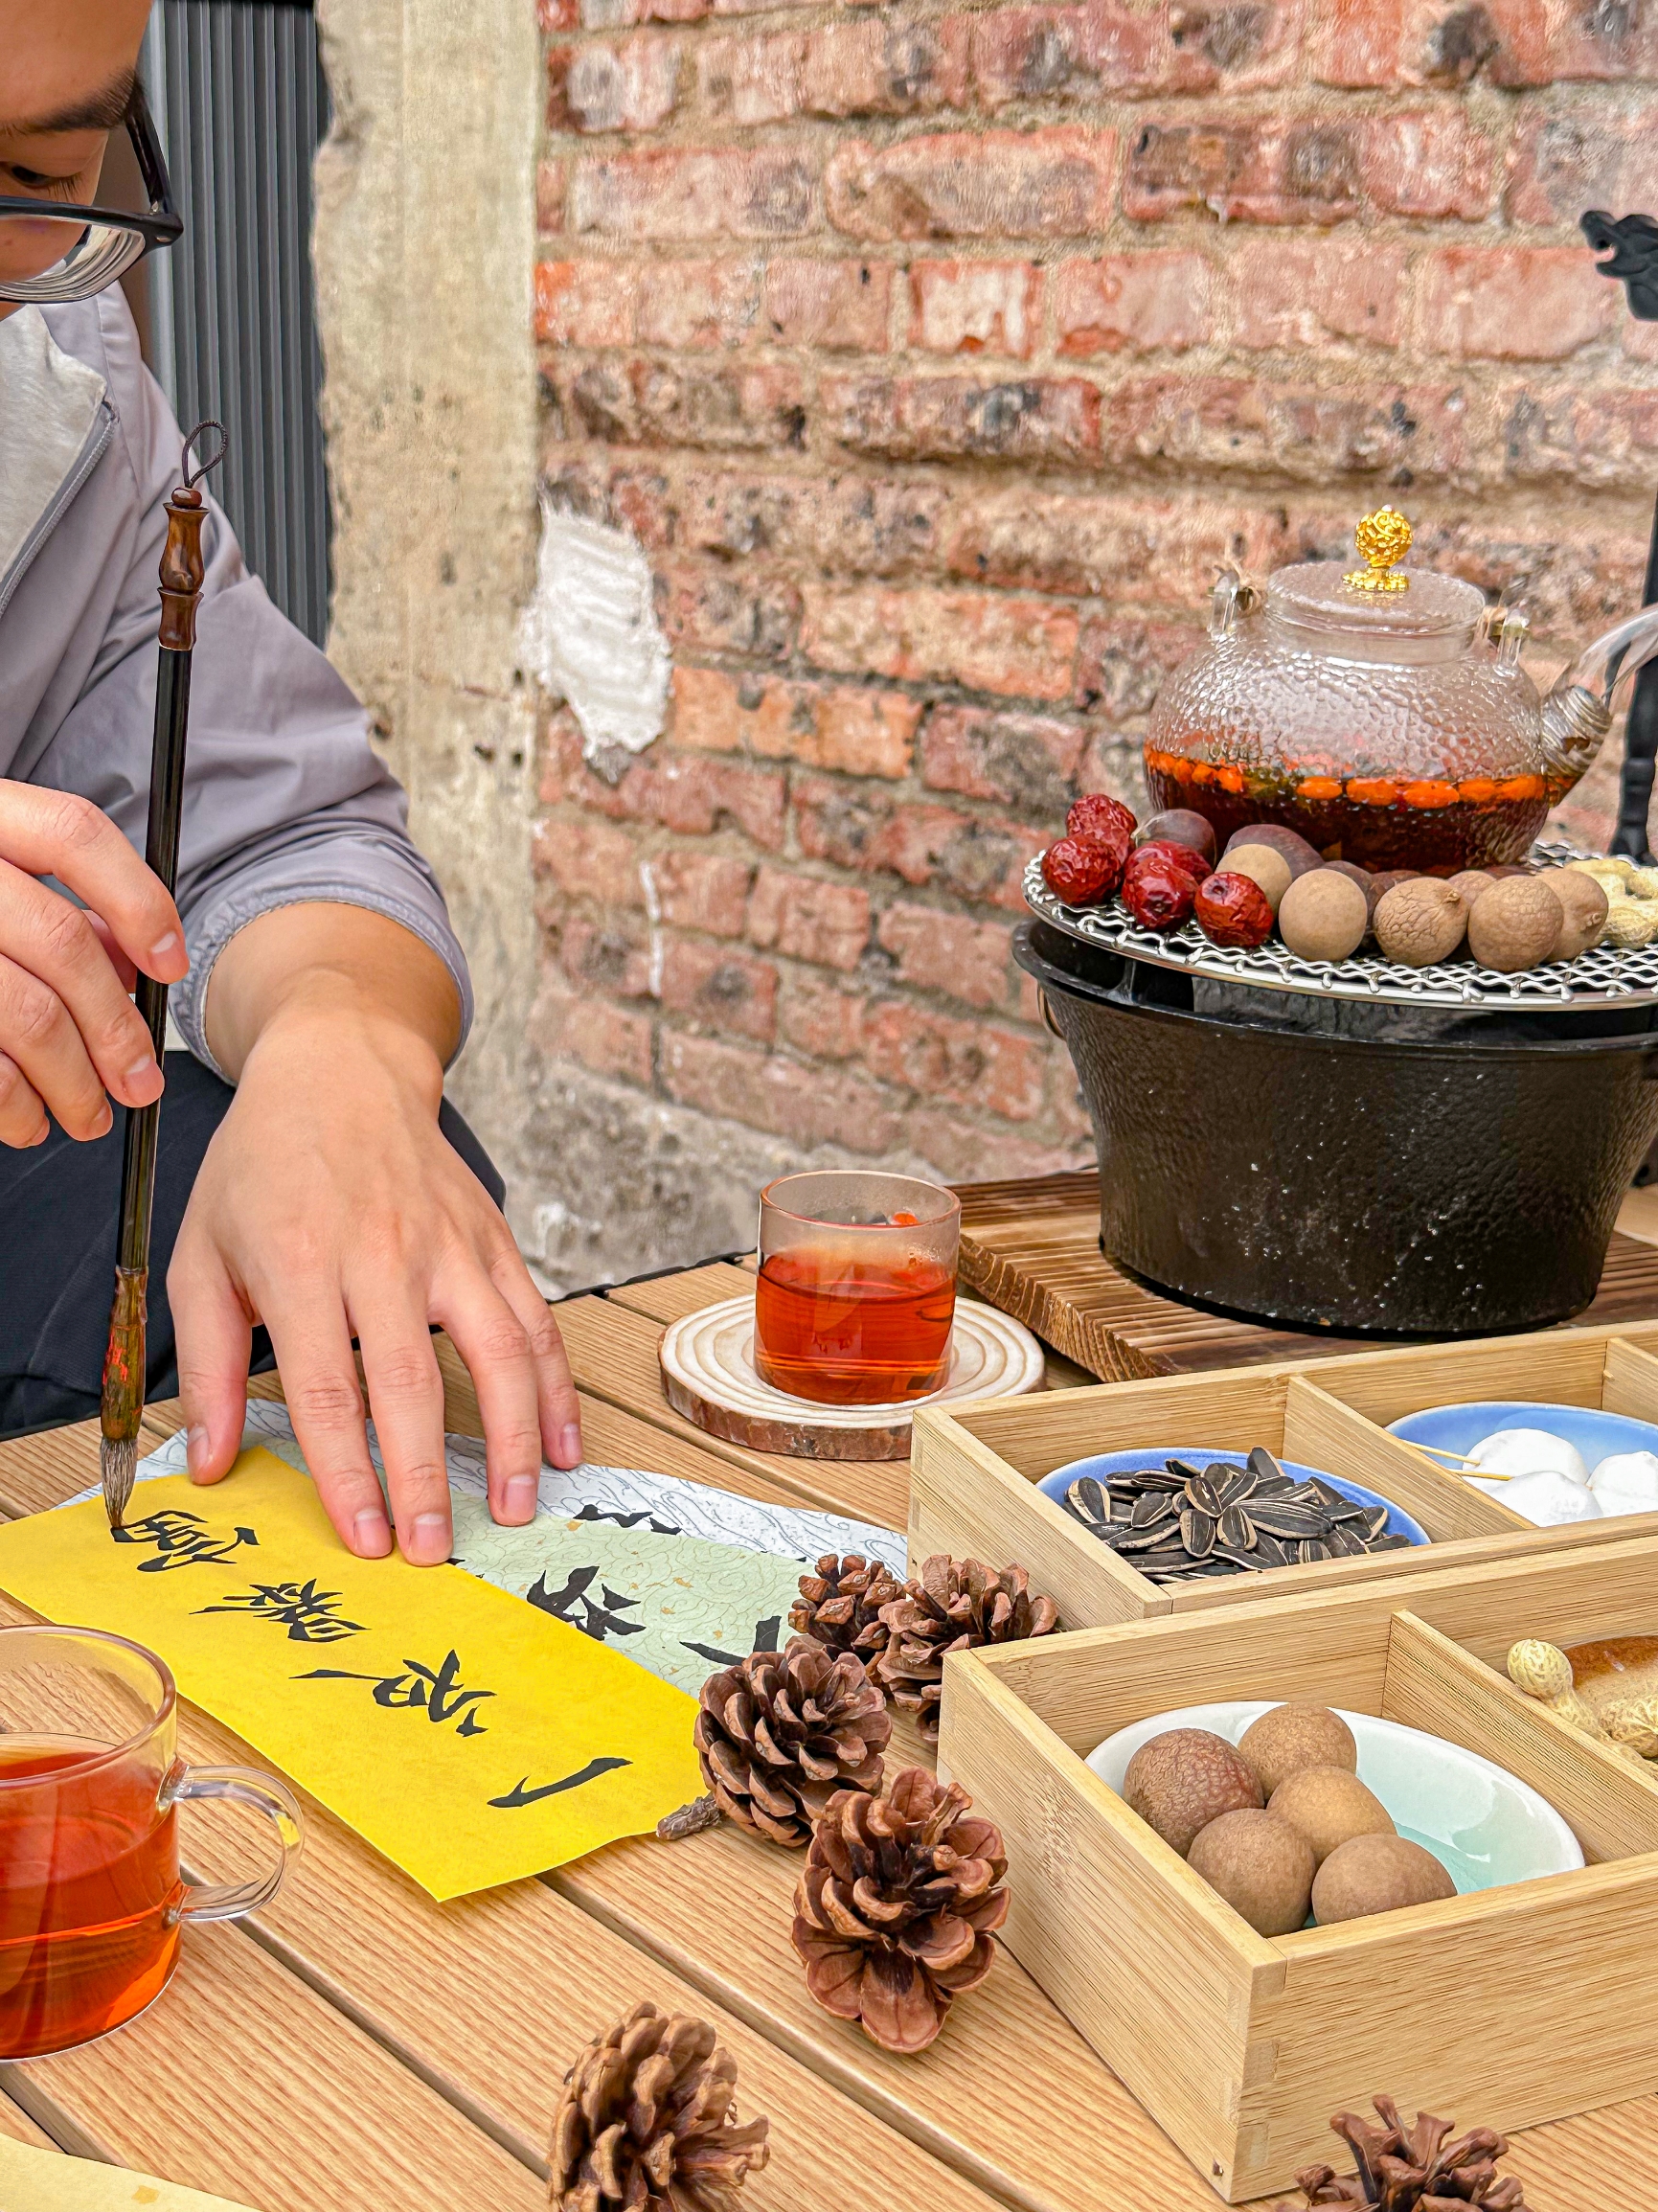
47, 833
38, 1032
406, 1399
559, 1408
495, 1346
52, 941
312, 1339
213, 1335
22, 1116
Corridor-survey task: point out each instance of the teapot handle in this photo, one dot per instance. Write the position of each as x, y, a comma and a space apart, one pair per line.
1233, 596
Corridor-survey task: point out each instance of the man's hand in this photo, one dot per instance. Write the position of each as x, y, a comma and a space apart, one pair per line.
328, 1206
70, 1037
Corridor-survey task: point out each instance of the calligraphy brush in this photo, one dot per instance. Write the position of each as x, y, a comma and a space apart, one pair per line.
182, 573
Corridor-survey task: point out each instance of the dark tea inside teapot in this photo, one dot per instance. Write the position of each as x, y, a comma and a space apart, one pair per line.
1382, 712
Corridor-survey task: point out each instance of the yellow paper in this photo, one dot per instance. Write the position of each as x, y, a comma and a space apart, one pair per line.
33, 2181
471, 1737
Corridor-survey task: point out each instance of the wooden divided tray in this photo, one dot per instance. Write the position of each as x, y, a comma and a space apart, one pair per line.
1034, 1249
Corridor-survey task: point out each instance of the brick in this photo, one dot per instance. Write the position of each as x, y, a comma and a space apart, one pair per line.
1084, 52
850, 523
688, 792
706, 891
864, 732
609, 1039
1001, 183
963, 1152
819, 1020
760, 192
693, 306
726, 714
1025, 762
1515, 302
1291, 294
1309, 433
936, 950
1410, 42
944, 418
1165, 551
620, 15
975, 307
717, 985
748, 616
832, 306
805, 917
608, 959
734, 410
750, 79
1562, 162
1282, 169
631, 87
588, 303
588, 860
969, 1062
551, 182
810, 1106
555, 15
881, 68
873, 831
1140, 302
1122, 663
1011, 647
1604, 439
1436, 163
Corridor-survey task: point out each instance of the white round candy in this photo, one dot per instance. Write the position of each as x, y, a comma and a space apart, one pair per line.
1546, 1498
1527, 1451
1626, 1482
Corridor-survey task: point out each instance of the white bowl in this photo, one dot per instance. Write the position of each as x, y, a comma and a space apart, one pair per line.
1482, 1824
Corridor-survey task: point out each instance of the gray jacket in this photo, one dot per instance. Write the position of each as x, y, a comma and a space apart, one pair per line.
284, 797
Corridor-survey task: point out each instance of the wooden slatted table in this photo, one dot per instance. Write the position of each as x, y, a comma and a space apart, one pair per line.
357, 2047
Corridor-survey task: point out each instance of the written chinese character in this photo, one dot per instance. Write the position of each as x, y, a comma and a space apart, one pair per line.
594, 1618
308, 1614
181, 1539
437, 1692
522, 1793
764, 1640
643, 1518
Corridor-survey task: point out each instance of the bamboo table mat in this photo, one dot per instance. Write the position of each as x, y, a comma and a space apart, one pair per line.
355, 2047
1033, 1248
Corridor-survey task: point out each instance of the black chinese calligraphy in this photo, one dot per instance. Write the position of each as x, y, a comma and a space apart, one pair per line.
181, 1539
523, 1794
765, 1633
643, 1518
595, 1617
435, 1691
310, 1615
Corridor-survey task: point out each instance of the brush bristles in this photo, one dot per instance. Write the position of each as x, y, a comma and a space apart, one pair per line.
118, 1463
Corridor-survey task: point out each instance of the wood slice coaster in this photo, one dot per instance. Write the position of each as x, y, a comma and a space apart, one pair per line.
709, 1375
1033, 1248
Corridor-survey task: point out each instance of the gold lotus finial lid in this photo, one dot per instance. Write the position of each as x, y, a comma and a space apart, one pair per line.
1384, 539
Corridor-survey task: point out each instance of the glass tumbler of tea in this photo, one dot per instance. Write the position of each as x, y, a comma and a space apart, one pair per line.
858, 1286
91, 1900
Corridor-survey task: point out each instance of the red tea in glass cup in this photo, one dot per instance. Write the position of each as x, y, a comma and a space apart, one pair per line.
858, 1286
91, 1900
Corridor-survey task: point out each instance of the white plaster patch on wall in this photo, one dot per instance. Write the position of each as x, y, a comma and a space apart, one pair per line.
590, 635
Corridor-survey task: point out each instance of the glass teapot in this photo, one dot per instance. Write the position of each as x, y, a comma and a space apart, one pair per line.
1381, 712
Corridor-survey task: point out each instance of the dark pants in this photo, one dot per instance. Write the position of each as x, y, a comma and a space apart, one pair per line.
59, 1209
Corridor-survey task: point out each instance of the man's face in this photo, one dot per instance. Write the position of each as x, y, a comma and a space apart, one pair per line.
65, 76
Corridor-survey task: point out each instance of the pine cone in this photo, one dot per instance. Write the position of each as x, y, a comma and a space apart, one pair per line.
841, 1604
646, 2124
896, 1905
1415, 2169
779, 1735
954, 1606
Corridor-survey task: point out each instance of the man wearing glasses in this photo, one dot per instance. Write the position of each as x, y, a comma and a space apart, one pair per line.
311, 959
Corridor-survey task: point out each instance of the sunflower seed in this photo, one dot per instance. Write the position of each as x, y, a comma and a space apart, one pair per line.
1261, 1463
1155, 1507
1240, 1559
1238, 1485
1197, 1533
1312, 1550
1236, 1529
1202, 1492
1278, 1516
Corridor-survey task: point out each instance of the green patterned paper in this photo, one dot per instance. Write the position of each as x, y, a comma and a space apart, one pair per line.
678, 1604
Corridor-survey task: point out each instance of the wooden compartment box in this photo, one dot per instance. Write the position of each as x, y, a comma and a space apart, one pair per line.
974, 1469
1509, 2007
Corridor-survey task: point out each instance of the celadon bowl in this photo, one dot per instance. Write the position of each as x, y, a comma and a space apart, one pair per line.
1484, 1825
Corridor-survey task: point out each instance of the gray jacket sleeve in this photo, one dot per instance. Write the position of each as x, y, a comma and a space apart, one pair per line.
286, 799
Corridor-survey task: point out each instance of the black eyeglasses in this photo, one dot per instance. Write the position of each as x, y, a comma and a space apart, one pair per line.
50, 253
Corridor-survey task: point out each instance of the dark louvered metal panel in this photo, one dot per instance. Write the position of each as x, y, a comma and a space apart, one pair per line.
238, 90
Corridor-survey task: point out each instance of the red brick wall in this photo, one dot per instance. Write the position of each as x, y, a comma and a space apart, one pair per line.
937, 354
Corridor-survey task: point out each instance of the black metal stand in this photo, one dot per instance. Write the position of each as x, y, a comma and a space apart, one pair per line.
1630, 243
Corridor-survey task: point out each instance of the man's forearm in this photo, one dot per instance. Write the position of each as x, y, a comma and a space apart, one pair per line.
323, 961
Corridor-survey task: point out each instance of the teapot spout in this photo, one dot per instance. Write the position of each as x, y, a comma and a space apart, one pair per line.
1577, 711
